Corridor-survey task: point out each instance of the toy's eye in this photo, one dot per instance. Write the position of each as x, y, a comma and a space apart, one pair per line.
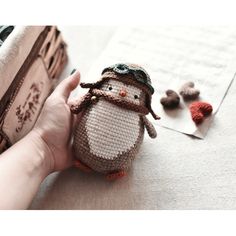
109, 87
136, 96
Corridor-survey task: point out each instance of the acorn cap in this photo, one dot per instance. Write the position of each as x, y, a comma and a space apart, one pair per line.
137, 72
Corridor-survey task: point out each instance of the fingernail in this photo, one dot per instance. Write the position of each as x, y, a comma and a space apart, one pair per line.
73, 71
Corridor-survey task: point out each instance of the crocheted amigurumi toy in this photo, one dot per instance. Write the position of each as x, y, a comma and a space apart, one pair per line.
111, 129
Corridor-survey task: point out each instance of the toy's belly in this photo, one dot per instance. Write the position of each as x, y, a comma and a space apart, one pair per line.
111, 130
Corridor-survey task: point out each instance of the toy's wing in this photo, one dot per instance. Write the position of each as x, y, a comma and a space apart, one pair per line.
150, 127
82, 104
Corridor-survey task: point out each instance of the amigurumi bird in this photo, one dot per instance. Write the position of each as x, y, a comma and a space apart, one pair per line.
111, 128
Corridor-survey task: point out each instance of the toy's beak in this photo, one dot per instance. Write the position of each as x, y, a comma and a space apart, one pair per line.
123, 93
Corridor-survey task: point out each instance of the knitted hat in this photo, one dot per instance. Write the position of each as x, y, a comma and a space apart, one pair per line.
137, 73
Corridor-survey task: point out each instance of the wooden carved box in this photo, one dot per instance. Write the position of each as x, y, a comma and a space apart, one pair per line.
31, 61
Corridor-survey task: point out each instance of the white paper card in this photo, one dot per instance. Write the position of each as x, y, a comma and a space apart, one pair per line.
173, 56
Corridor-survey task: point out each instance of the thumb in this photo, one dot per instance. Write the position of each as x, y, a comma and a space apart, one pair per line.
67, 85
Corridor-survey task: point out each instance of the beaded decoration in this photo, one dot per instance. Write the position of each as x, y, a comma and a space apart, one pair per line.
111, 129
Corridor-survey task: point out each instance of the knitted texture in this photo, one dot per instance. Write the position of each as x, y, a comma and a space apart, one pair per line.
171, 101
200, 110
111, 129
105, 140
188, 92
150, 128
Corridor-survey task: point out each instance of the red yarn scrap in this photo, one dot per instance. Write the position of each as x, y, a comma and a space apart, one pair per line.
200, 110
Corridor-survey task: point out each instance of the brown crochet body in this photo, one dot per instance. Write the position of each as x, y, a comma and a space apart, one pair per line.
95, 139
97, 163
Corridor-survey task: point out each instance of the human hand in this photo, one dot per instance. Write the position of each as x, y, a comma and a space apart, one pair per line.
54, 125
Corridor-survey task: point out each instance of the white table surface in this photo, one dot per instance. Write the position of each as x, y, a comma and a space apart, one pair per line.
174, 171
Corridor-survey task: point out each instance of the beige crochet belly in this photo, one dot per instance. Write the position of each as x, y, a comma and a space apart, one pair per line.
111, 130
